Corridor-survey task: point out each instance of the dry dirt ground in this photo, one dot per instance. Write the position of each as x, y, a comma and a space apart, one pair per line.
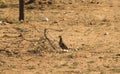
90, 28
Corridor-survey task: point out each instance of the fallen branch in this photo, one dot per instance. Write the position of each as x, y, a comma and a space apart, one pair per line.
49, 41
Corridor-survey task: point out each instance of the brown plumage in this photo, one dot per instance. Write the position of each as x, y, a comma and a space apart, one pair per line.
61, 43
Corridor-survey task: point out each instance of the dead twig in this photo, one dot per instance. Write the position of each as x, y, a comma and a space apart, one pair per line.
49, 41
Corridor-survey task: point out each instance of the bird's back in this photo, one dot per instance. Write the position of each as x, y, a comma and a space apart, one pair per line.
61, 43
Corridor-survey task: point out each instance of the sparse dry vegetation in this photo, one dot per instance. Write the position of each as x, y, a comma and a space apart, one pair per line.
90, 28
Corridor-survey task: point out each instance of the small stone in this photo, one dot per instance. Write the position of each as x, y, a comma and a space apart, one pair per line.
45, 19
106, 33
78, 48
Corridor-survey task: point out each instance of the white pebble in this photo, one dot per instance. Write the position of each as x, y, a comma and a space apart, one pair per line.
106, 33
45, 19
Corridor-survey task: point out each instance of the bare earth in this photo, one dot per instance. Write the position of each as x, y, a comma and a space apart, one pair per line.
90, 28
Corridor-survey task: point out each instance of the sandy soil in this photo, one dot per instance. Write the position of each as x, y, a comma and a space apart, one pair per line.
90, 28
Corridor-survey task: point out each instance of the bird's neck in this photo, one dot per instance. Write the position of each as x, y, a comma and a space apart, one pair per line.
60, 39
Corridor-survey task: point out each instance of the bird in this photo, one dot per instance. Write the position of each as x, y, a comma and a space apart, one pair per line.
61, 43
29, 2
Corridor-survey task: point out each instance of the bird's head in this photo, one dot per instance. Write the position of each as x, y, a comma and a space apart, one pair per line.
60, 36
